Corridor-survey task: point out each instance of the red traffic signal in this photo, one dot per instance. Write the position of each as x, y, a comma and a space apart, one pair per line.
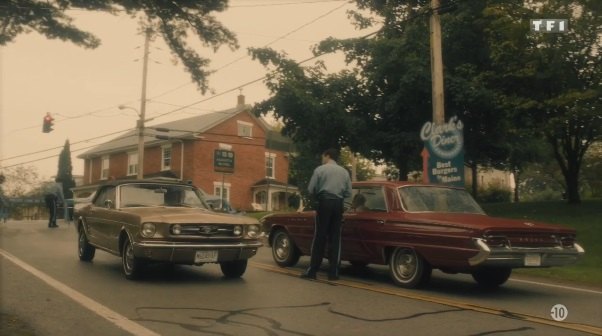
48, 123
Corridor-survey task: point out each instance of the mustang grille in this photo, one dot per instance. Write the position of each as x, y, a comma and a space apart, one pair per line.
207, 230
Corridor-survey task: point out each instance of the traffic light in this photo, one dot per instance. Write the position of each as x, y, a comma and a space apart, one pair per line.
48, 123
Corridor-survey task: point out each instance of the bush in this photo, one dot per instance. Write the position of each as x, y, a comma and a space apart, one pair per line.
495, 193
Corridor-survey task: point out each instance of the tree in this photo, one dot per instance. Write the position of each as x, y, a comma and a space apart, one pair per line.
20, 181
364, 169
173, 20
553, 80
65, 171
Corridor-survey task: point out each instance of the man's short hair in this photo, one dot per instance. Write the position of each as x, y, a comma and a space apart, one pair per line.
332, 153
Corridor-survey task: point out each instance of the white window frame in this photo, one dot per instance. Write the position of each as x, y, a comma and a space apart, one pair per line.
132, 168
217, 188
163, 148
104, 167
273, 157
244, 125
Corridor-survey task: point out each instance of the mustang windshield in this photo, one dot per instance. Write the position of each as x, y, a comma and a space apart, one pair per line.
438, 199
149, 195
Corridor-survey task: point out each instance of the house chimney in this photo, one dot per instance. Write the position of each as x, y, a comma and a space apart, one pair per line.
241, 100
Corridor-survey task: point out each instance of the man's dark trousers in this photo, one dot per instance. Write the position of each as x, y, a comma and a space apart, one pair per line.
51, 205
328, 225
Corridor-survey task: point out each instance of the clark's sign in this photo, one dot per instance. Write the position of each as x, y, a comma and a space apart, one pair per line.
443, 153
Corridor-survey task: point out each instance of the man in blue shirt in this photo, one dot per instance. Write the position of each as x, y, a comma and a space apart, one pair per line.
53, 194
330, 185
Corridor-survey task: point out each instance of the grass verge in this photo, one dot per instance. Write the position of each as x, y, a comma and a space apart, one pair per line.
586, 218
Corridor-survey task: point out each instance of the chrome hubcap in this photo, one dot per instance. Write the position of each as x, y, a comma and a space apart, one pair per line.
282, 247
405, 264
82, 241
129, 258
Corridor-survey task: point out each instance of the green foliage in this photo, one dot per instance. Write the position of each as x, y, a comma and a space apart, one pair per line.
364, 168
20, 181
174, 20
65, 171
494, 193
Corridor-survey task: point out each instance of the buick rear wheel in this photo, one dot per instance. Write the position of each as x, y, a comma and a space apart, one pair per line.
491, 277
284, 251
408, 269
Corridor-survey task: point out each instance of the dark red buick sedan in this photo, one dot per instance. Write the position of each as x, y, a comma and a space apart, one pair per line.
415, 228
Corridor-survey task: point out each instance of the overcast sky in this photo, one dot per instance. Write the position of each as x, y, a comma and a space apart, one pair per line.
82, 88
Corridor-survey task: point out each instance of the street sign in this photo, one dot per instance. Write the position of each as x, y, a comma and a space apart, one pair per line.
223, 161
443, 153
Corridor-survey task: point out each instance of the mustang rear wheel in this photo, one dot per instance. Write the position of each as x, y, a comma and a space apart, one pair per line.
234, 269
491, 277
85, 250
408, 269
284, 251
131, 265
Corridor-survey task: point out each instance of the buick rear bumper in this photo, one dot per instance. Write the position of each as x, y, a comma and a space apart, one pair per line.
516, 257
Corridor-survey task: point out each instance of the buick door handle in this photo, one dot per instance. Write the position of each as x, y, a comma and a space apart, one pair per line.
380, 222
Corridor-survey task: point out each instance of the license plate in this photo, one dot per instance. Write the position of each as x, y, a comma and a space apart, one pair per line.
533, 260
205, 256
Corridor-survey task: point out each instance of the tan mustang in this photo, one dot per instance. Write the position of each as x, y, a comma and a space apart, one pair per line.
147, 220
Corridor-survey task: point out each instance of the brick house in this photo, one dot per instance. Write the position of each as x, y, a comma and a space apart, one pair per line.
261, 157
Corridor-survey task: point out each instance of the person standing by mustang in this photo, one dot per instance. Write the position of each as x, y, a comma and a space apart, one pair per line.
330, 184
53, 195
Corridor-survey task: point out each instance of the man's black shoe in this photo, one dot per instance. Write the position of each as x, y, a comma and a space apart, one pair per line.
308, 275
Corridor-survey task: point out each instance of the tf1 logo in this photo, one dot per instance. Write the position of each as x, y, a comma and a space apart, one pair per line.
550, 25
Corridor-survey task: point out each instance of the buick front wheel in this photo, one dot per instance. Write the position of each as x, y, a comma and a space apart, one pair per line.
408, 269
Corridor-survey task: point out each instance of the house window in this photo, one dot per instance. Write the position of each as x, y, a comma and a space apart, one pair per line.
133, 163
104, 172
270, 165
245, 129
166, 157
217, 190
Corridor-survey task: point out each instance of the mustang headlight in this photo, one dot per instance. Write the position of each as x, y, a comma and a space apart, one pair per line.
176, 229
237, 231
148, 230
252, 231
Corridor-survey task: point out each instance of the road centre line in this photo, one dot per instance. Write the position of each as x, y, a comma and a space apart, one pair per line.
438, 300
119, 320
558, 286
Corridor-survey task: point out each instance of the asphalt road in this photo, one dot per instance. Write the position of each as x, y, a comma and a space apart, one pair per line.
46, 290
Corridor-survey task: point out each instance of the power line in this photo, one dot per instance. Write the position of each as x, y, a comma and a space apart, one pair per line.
209, 98
265, 45
285, 3
67, 117
58, 147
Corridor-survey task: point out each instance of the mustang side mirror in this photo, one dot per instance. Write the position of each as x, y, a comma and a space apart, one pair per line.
108, 204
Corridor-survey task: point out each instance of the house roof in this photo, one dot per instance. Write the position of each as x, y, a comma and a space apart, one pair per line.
179, 129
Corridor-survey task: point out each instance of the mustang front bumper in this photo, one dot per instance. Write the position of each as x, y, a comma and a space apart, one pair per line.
516, 257
187, 253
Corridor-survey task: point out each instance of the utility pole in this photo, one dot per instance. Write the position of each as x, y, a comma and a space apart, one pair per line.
436, 64
143, 105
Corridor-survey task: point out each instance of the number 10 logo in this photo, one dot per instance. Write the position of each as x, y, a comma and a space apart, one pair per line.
559, 312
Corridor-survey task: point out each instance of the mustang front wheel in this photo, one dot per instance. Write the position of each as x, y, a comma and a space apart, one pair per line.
234, 269
284, 251
132, 266
491, 277
408, 269
85, 250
